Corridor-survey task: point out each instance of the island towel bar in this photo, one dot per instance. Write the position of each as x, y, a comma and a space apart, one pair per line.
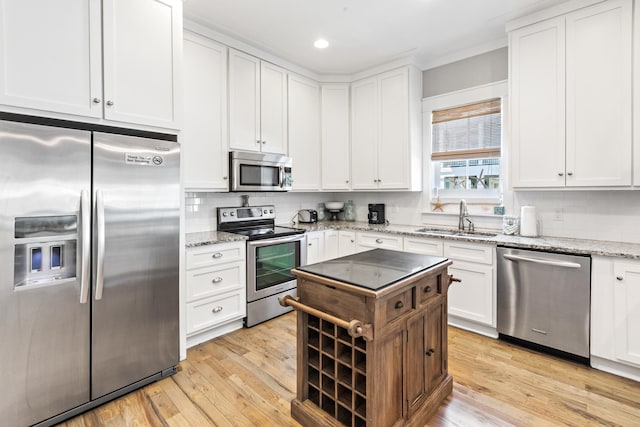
355, 327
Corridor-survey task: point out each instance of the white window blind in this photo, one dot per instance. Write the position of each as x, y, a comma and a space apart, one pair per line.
470, 131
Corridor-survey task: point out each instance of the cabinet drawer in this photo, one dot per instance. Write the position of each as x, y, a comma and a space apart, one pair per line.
337, 302
213, 311
208, 281
428, 289
396, 306
423, 246
482, 254
215, 254
382, 241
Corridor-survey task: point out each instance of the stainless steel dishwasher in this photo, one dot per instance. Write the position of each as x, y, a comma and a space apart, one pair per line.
544, 298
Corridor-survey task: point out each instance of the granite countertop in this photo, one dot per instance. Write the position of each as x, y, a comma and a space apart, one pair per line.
204, 238
375, 269
551, 244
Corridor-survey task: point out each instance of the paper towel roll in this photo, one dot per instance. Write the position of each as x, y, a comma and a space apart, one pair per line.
528, 223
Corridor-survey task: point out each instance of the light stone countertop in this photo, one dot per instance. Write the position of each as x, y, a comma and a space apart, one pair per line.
203, 238
551, 244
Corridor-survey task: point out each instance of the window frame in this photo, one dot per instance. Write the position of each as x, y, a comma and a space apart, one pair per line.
451, 100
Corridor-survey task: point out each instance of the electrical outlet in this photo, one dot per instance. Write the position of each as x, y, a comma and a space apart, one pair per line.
558, 214
498, 210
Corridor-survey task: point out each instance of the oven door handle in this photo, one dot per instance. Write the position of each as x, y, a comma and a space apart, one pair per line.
277, 240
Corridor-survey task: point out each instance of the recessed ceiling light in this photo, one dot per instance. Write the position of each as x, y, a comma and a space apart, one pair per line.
321, 43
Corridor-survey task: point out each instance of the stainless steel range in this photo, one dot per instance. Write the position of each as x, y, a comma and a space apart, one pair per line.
272, 252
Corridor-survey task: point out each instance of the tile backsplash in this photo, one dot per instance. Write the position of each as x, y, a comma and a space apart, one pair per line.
598, 215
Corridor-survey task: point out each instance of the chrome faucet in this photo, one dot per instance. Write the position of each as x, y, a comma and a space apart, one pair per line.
463, 214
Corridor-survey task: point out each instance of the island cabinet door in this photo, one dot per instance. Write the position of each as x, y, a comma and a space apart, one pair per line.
435, 344
415, 363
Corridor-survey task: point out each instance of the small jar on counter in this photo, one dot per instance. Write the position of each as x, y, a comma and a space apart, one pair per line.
349, 211
321, 211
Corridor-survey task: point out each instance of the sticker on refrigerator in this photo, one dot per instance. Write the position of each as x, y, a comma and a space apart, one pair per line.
143, 159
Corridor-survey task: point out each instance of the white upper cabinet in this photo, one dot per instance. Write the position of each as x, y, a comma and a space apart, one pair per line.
56, 59
386, 131
537, 102
257, 104
336, 162
571, 110
204, 131
304, 132
142, 45
51, 55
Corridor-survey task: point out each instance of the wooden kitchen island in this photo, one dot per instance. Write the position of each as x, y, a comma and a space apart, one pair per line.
371, 340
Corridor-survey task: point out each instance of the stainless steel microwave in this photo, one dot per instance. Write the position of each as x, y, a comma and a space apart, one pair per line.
259, 172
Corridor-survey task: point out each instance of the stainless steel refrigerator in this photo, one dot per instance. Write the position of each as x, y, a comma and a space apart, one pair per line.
89, 246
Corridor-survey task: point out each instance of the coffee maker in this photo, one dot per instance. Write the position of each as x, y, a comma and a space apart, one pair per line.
376, 213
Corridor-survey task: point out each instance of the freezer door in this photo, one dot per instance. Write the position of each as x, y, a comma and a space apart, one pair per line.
44, 327
136, 249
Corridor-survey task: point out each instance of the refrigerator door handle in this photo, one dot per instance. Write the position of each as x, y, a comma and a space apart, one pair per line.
100, 244
86, 246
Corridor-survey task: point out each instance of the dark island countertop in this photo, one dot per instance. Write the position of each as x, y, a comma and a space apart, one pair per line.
374, 269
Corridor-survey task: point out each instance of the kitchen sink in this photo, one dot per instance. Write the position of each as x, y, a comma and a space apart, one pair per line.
448, 232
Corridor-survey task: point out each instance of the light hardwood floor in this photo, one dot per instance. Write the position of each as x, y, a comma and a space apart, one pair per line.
247, 378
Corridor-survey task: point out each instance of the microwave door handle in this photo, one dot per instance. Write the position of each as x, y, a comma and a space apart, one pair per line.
281, 176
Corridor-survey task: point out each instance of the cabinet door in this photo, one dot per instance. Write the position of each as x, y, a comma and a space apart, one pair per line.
393, 145
435, 344
315, 247
273, 108
142, 49
244, 101
331, 244
537, 80
346, 243
336, 160
599, 95
626, 305
304, 132
50, 56
415, 375
364, 135
204, 132
473, 298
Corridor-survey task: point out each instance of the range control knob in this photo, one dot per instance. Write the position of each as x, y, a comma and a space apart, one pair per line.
232, 214
224, 214
271, 211
264, 211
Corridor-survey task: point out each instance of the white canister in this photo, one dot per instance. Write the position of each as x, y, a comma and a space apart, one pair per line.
528, 222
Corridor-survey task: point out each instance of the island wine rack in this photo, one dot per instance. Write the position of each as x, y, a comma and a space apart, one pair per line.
337, 371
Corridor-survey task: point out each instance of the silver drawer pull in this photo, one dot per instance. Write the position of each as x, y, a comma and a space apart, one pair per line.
216, 255
540, 331
217, 309
378, 240
216, 279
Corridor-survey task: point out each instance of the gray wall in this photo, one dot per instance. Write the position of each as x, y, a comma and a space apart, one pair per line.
477, 70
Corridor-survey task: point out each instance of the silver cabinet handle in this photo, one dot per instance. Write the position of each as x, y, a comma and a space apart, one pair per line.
109, 103
620, 278
347, 181
100, 244
378, 240
264, 142
86, 246
570, 173
560, 174
564, 264
216, 279
97, 100
224, 177
353, 241
217, 309
216, 255
258, 142
308, 244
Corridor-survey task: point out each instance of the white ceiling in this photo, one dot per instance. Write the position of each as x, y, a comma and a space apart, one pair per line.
364, 33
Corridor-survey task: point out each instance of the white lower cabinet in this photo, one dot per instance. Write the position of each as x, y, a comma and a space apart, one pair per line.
366, 241
346, 243
472, 302
331, 244
615, 316
215, 290
315, 246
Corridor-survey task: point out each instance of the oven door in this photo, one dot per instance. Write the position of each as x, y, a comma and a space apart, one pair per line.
269, 265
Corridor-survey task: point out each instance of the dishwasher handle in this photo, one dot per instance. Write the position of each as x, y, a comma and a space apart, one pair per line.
564, 264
